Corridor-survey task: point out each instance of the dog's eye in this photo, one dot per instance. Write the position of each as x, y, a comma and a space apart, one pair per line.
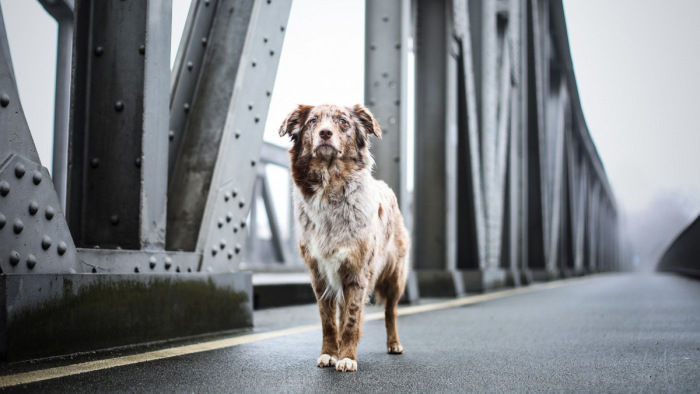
341, 121
312, 120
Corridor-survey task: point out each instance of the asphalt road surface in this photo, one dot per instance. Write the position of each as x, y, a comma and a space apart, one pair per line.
607, 333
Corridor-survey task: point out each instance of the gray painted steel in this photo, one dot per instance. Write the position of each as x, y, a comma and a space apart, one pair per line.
241, 140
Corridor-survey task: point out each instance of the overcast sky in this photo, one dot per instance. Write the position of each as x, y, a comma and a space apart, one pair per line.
637, 66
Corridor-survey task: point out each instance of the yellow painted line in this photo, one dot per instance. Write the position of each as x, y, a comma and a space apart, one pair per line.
90, 366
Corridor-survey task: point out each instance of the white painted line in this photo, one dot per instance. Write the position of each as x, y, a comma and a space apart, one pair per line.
90, 366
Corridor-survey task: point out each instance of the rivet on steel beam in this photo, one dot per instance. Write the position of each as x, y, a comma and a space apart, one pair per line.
99, 50
14, 258
19, 170
168, 263
3, 220
31, 261
189, 269
94, 270
18, 226
171, 135
269, 1
373, 47
281, 28
46, 242
398, 45
227, 196
238, 135
213, 250
229, 254
37, 177
385, 75
177, 269
137, 162
222, 244
33, 207
385, 19
265, 40
242, 223
257, 119
252, 163
237, 249
49, 212
206, 3
152, 262
204, 41
4, 100
268, 93
272, 53
142, 49
250, 106
119, 106
61, 248
95, 162
234, 193
253, 64
220, 223
186, 107
4, 188
136, 269
397, 159
397, 102
229, 216
241, 204
235, 230
190, 65
114, 219
392, 84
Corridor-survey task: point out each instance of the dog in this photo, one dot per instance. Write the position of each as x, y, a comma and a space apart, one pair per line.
351, 232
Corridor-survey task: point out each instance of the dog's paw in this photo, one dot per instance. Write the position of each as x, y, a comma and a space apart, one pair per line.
395, 348
346, 365
326, 361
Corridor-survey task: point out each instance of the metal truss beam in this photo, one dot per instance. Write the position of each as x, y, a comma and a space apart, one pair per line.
118, 162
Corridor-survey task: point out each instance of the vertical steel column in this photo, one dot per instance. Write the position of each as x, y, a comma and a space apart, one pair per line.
387, 47
234, 170
430, 242
119, 120
62, 12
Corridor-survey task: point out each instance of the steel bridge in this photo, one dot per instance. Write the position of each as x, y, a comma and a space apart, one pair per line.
146, 229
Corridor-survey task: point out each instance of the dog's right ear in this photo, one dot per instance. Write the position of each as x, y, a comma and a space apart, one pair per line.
295, 120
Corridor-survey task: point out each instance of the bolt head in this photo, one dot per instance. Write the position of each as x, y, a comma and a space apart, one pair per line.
14, 258
3, 220
119, 106
37, 177
46, 242
31, 261
142, 49
50, 212
33, 207
61, 248
114, 219
137, 162
237, 249
4, 100
190, 65
95, 162
242, 223
20, 170
99, 50
4, 188
18, 226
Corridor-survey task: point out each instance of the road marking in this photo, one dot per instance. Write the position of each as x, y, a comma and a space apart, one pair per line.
91, 366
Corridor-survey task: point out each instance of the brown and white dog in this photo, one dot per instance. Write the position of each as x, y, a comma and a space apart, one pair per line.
351, 233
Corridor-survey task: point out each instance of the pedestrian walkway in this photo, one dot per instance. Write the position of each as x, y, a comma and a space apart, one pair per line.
617, 332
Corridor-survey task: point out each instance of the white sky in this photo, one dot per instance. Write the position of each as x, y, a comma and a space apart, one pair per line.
637, 65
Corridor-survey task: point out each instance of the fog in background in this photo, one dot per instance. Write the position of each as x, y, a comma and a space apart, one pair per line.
636, 64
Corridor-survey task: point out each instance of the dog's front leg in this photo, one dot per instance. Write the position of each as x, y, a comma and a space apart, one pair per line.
351, 326
326, 308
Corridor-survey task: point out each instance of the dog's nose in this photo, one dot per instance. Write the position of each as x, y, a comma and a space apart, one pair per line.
325, 134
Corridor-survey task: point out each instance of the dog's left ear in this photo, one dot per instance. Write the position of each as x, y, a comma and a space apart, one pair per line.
366, 120
294, 122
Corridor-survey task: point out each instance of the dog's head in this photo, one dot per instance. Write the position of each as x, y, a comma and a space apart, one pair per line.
327, 135
329, 131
